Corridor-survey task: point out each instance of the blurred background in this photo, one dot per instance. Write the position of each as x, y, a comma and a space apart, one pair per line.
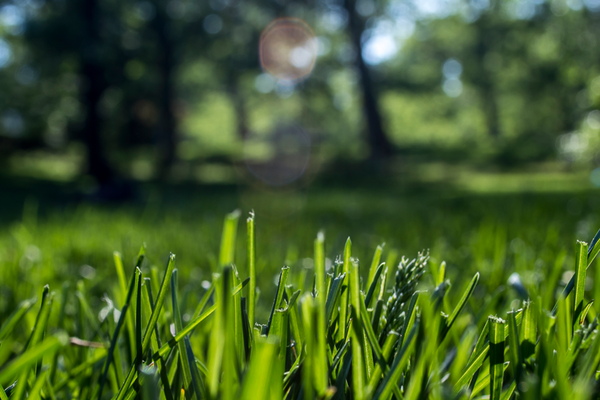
274, 92
467, 127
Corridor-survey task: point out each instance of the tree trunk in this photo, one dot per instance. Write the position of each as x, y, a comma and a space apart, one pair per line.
239, 106
490, 108
93, 88
167, 124
377, 139
487, 32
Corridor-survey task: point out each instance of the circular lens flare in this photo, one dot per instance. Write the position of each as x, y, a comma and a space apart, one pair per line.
288, 49
279, 158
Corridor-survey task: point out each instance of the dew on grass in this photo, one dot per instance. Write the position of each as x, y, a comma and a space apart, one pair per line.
288, 49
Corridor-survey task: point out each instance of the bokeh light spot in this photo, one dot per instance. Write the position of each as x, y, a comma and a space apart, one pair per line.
595, 177
288, 49
264, 83
452, 68
452, 87
379, 48
5, 53
212, 24
12, 122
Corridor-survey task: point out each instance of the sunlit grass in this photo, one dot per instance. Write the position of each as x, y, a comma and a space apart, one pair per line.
392, 330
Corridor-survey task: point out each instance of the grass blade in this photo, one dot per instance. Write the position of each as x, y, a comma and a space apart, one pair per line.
320, 359
197, 383
581, 263
383, 361
341, 332
400, 361
592, 251
309, 316
228, 238
178, 322
374, 266
516, 358
280, 291
373, 284
334, 295
164, 350
162, 294
471, 369
468, 292
359, 369
138, 320
30, 357
528, 334
15, 317
496, 357
251, 260
149, 383
256, 383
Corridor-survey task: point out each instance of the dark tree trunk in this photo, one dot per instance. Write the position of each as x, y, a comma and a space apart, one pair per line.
378, 141
240, 109
487, 32
167, 124
490, 108
93, 88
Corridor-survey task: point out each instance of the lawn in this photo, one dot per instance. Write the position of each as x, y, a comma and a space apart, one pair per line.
500, 248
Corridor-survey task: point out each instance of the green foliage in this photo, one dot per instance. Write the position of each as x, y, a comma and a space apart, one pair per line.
335, 340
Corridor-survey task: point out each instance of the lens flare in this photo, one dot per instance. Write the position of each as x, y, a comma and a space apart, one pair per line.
288, 49
279, 158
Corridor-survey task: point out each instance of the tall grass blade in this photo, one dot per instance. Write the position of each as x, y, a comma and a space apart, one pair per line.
257, 381
138, 320
36, 336
149, 383
278, 299
461, 304
375, 264
15, 317
496, 357
341, 332
581, 263
164, 350
30, 357
373, 284
528, 334
197, 383
115, 336
320, 359
391, 379
359, 368
162, 294
592, 251
228, 238
333, 296
251, 260
514, 343
178, 322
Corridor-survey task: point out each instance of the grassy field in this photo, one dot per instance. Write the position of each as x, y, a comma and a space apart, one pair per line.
499, 249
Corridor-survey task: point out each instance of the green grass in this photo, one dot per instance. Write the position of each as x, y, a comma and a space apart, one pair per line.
482, 305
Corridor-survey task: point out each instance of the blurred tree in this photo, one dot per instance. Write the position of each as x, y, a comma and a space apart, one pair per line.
94, 85
166, 64
126, 77
377, 139
77, 31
